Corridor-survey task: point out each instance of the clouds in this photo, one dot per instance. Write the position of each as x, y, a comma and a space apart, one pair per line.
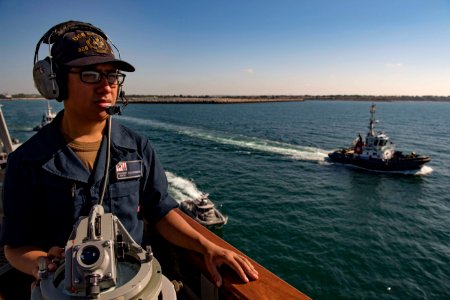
394, 65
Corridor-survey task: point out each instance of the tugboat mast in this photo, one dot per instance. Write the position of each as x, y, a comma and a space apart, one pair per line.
372, 121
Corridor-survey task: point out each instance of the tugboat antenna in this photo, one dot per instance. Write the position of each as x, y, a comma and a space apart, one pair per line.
372, 120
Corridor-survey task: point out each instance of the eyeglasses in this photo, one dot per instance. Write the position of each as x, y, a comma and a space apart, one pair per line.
96, 76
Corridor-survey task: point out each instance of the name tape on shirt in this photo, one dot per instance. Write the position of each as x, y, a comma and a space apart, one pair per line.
129, 169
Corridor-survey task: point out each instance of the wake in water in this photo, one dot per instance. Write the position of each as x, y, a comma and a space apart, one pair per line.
425, 170
289, 150
181, 188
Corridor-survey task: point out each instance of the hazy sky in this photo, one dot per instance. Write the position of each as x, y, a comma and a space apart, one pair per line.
318, 47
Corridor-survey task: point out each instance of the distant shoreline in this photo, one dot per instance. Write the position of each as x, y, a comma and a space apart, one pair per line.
211, 100
261, 99
265, 99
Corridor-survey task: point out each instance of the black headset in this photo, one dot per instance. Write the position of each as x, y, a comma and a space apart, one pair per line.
49, 78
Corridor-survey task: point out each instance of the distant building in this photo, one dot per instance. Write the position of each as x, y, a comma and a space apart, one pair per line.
6, 96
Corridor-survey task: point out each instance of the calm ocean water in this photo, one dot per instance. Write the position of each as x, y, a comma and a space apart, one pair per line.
332, 231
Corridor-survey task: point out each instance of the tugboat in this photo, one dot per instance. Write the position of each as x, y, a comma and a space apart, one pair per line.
378, 152
46, 118
203, 211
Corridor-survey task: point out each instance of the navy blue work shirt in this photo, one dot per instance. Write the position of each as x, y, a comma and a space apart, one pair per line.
47, 188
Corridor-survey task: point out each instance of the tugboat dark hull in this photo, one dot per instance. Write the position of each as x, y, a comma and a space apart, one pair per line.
398, 163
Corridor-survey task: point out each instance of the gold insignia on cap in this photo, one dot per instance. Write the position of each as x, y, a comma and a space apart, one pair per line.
98, 44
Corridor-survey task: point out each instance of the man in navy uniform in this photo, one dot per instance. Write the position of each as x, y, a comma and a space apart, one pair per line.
56, 176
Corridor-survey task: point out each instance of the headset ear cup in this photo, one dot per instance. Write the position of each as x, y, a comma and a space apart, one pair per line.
61, 74
44, 79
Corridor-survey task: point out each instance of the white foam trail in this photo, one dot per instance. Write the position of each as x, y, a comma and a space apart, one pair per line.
293, 151
425, 170
181, 188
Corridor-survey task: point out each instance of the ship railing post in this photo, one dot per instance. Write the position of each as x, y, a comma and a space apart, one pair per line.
4, 134
208, 290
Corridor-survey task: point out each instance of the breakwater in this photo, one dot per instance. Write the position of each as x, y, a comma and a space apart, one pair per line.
279, 98
211, 99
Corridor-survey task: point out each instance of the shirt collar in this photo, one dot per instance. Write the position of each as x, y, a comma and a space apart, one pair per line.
49, 146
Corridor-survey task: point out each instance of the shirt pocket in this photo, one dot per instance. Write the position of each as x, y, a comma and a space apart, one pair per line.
61, 199
60, 206
124, 196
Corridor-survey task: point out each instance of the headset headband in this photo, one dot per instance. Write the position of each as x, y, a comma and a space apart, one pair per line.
57, 32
